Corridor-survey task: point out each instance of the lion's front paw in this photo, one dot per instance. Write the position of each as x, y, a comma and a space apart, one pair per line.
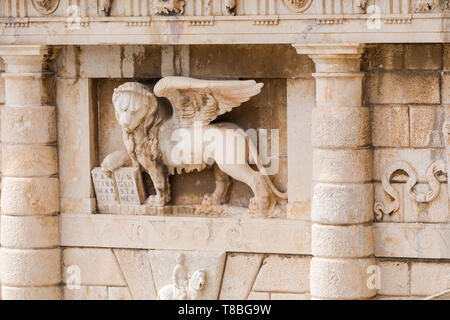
114, 161
156, 201
261, 207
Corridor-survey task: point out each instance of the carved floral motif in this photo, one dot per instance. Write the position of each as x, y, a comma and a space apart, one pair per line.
298, 5
46, 6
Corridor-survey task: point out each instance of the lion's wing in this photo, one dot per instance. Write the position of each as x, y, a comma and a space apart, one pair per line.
204, 100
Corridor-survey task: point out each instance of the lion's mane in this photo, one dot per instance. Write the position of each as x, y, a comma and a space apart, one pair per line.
143, 140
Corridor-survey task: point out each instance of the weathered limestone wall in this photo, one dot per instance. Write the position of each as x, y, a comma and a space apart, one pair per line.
407, 90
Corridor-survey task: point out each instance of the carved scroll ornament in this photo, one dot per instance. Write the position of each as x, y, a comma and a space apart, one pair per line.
434, 171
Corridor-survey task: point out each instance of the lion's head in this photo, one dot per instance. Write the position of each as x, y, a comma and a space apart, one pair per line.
136, 109
132, 103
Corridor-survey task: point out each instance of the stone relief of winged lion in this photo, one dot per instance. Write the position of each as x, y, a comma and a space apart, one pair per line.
162, 144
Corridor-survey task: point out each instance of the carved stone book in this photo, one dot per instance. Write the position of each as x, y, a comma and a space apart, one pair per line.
130, 187
105, 188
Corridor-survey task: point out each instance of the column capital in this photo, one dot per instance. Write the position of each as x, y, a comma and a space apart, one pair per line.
23, 58
329, 48
333, 57
23, 50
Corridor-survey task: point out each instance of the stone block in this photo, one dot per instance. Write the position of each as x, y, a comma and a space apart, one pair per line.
341, 90
342, 241
300, 103
340, 127
283, 274
426, 123
35, 267
32, 293
446, 56
390, 126
208, 61
423, 56
86, 293
77, 143
29, 125
259, 296
30, 196
446, 88
412, 240
388, 57
137, 271
119, 293
29, 160
98, 267
342, 166
341, 278
240, 272
403, 88
289, 296
37, 86
394, 278
23, 232
429, 278
299, 211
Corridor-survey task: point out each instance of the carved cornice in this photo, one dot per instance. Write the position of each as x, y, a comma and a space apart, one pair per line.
228, 21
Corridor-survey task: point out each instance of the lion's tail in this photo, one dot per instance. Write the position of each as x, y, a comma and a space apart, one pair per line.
262, 169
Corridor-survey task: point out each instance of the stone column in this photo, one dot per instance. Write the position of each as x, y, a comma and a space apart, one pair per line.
30, 257
342, 200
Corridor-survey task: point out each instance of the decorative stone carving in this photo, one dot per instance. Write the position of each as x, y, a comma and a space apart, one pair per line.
434, 170
230, 6
163, 146
168, 7
46, 6
298, 5
362, 5
183, 287
104, 8
105, 188
426, 5
130, 187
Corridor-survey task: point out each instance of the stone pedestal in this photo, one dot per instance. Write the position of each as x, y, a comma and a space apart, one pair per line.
342, 200
30, 261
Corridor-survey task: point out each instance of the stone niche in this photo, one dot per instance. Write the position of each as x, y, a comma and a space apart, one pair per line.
267, 110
